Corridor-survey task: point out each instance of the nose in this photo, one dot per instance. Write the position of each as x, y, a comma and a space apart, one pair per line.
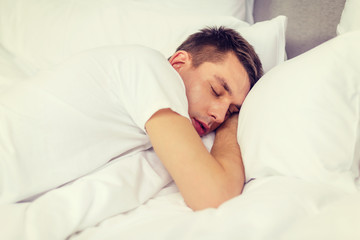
218, 111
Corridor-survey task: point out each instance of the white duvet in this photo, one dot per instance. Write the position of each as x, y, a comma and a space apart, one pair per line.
134, 198
270, 208
106, 206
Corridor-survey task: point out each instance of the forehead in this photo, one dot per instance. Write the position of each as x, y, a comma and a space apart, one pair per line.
232, 75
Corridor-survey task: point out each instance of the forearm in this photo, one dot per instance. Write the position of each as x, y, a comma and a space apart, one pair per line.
205, 180
225, 144
227, 152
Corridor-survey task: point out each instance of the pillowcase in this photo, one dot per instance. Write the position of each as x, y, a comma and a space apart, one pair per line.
46, 32
241, 9
10, 72
302, 119
268, 40
350, 17
20, 19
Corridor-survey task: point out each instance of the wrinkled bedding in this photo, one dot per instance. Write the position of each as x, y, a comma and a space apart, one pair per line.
133, 197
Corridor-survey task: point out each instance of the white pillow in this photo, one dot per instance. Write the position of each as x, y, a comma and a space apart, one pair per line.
20, 19
241, 9
10, 72
350, 17
302, 118
46, 32
268, 40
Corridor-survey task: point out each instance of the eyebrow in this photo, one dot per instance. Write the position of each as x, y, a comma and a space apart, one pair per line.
224, 84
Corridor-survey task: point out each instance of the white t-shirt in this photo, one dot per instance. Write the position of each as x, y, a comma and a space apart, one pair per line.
71, 120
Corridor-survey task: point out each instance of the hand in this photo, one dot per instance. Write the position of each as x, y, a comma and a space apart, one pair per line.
229, 124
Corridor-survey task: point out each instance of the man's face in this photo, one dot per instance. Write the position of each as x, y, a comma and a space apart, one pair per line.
214, 90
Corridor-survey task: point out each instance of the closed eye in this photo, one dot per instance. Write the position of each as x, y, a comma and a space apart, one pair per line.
215, 93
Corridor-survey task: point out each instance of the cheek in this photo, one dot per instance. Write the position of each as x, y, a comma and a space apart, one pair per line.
195, 97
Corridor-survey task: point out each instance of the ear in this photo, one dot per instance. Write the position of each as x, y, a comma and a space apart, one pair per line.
180, 59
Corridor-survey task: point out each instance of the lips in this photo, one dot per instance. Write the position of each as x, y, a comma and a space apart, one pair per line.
200, 127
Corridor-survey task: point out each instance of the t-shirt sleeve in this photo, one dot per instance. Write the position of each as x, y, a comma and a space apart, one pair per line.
150, 83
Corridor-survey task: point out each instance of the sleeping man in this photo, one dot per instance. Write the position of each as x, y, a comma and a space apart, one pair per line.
111, 102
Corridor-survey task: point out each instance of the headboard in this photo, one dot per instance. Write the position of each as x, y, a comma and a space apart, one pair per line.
310, 23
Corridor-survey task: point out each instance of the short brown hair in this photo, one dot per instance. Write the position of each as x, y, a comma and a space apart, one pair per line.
211, 45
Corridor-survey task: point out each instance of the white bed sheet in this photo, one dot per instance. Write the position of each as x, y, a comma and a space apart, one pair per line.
269, 208
110, 204
122, 185
10, 70
105, 205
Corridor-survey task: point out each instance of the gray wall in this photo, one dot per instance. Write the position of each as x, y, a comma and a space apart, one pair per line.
310, 22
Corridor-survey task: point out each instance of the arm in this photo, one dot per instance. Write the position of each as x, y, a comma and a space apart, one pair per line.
204, 179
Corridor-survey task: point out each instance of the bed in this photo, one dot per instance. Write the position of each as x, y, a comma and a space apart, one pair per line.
299, 127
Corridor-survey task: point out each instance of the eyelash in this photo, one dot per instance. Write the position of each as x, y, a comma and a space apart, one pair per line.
215, 93
218, 95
